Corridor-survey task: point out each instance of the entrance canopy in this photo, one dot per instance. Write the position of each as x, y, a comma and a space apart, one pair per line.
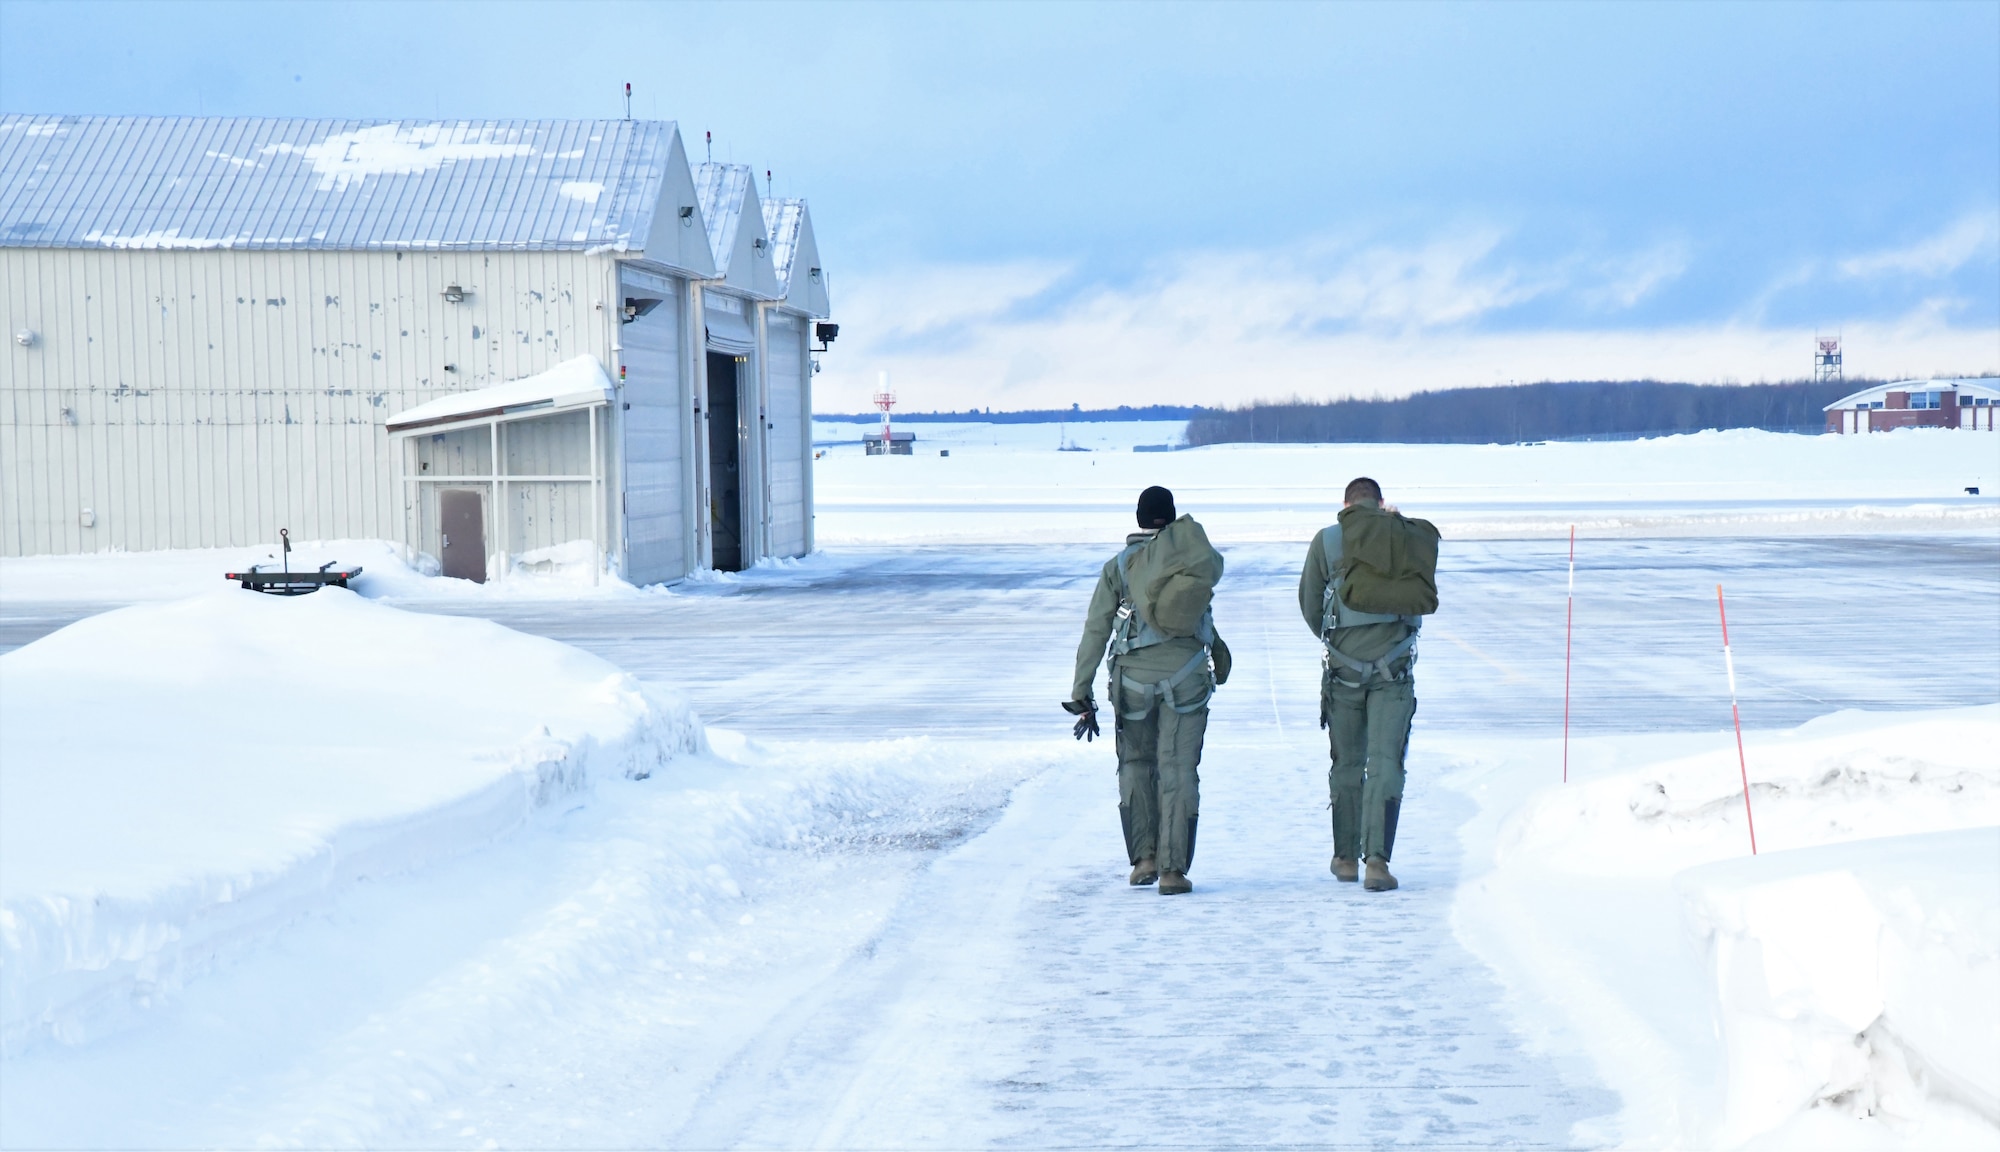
573, 384
517, 411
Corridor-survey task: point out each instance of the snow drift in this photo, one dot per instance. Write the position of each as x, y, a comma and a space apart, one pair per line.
1835, 991
1856, 982
180, 777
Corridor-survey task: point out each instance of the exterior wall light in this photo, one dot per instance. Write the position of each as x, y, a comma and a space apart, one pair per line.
687, 215
25, 338
453, 294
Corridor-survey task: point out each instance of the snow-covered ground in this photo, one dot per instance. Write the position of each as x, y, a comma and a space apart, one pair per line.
179, 777
1005, 481
560, 573
1857, 989
883, 904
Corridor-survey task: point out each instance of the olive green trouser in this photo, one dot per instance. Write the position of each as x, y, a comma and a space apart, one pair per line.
1368, 733
1159, 787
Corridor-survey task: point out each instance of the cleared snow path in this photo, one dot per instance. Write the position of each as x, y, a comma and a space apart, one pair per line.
930, 942
1024, 996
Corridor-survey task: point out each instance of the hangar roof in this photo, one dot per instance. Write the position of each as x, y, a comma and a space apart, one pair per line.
1986, 387
792, 241
258, 183
735, 219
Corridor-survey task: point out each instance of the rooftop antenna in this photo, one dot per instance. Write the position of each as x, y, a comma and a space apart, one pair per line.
711, 145
767, 183
628, 99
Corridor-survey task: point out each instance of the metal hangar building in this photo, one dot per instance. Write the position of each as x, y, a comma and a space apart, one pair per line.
496, 342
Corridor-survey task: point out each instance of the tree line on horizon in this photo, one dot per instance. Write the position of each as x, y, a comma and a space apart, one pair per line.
1075, 414
1516, 413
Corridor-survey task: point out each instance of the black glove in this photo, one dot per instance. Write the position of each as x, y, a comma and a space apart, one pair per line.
1219, 653
1086, 713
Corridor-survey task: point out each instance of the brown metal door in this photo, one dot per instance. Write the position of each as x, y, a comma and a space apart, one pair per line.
462, 516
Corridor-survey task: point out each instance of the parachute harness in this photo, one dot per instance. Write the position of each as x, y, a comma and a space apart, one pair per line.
1336, 615
1133, 632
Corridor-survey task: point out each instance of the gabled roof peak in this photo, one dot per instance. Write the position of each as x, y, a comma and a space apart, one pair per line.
783, 218
723, 188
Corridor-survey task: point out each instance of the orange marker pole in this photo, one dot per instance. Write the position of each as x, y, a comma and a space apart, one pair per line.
1742, 765
1569, 622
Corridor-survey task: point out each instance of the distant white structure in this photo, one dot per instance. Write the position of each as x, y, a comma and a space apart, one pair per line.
1917, 404
887, 442
1827, 360
223, 327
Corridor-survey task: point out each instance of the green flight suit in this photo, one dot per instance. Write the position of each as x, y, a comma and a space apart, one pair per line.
1367, 715
1160, 722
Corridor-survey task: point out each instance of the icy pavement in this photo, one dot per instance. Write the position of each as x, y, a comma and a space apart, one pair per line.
971, 641
929, 942
1024, 996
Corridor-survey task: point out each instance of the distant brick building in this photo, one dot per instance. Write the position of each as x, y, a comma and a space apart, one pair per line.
1918, 404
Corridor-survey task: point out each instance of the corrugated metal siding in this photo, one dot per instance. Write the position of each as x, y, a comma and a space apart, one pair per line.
656, 506
215, 397
542, 515
253, 183
789, 501
530, 515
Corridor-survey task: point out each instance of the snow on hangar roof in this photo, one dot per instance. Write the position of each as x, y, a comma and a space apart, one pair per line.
735, 218
789, 224
722, 188
257, 183
782, 219
578, 382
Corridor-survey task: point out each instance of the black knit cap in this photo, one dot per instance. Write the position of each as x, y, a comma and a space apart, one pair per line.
1156, 507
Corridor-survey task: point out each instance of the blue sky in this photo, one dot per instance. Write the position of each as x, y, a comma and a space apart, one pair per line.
1040, 204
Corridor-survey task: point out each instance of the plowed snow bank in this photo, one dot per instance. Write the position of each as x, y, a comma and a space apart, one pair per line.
1808, 995
1859, 982
180, 776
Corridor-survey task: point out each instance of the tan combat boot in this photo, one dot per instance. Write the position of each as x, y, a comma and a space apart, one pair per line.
1346, 869
1174, 883
1379, 879
1144, 873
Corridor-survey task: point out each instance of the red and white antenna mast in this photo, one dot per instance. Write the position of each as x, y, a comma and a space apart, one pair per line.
885, 400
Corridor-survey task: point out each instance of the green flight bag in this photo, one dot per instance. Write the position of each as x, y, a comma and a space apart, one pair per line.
1173, 577
1388, 562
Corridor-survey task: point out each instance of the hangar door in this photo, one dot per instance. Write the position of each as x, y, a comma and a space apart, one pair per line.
659, 540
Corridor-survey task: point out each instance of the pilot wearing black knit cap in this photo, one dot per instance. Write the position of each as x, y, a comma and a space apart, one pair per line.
1151, 610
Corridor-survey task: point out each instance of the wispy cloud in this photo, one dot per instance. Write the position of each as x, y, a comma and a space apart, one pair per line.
1327, 319
1971, 237
1622, 283
918, 305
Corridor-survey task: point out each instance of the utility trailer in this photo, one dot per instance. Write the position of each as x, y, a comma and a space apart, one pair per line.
289, 583
286, 582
